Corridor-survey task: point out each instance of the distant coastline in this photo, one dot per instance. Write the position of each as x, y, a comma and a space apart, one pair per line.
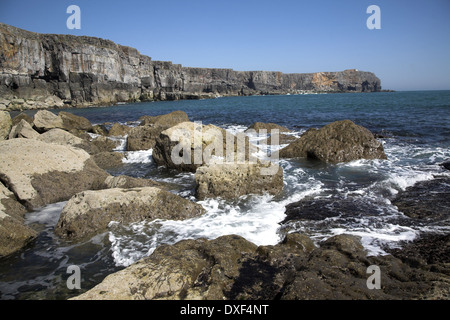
41, 71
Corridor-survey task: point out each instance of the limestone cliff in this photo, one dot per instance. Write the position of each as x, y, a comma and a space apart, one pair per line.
48, 70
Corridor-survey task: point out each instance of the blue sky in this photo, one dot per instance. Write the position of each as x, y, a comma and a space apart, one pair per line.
411, 51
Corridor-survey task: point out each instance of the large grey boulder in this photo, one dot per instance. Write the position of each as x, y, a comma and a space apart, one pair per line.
40, 173
90, 212
230, 181
14, 234
340, 141
5, 124
165, 120
189, 145
73, 122
45, 120
62, 137
23, 130
143, 137
118, 130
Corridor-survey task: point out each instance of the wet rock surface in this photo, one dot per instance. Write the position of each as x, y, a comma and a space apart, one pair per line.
13, 233
231, 267
340, 141
90, 212
426, 200
230, 181
40, 173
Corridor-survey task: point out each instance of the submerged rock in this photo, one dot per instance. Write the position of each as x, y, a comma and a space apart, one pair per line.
233, 268
230, 181
340, 141
90, 212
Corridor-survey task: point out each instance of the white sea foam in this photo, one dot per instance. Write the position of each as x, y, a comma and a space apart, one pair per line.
141, 156
122, 143
257, 218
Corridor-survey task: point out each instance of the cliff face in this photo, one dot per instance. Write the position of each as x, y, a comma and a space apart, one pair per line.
46, 70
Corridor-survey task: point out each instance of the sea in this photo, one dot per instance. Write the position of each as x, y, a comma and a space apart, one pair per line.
414, 128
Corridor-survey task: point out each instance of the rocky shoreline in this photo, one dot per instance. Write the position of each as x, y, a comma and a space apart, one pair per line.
62, 157
41, 71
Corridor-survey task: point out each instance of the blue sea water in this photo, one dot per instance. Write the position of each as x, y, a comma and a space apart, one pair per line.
414, 128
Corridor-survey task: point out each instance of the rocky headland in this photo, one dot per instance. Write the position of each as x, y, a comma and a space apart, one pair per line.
39, 71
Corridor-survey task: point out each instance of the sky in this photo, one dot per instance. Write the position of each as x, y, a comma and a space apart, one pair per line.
411, 51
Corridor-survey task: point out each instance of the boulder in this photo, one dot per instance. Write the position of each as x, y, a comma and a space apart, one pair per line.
99, 129
123, 181
105, 144
23, 130
171, 272
40, 173
5, 124
62, 137
45, 120
165, 120
230, 181
74, 122
317, 209
340, 141
445, 164
118, 130
14, 235
232, 268
257, 126
283, 138
22, 116
90, 212
143, 137
108, 160
428, 201
189, 145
